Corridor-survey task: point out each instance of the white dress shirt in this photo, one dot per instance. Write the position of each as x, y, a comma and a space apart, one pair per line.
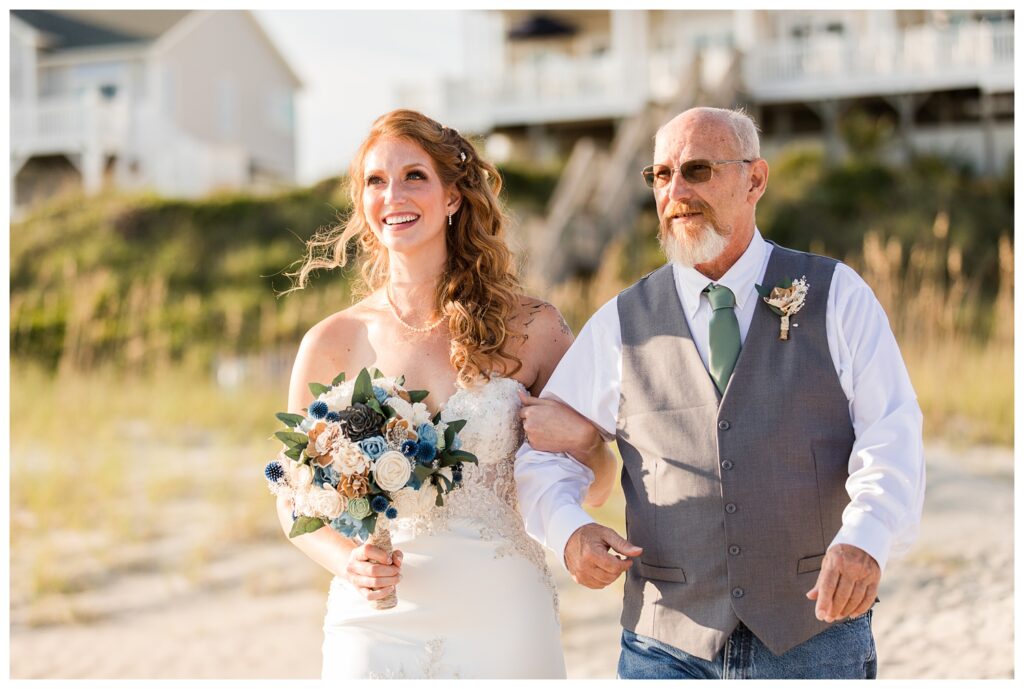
887, 474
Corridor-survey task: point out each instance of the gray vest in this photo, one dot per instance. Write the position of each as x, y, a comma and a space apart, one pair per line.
733, 498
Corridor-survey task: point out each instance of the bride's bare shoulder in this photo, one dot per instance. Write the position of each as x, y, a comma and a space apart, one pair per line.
544, 338
332, 346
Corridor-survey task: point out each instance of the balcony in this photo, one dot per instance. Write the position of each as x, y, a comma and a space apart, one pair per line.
68, 125
921, 58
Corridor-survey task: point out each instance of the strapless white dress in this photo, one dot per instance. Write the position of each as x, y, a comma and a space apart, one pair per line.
477, 599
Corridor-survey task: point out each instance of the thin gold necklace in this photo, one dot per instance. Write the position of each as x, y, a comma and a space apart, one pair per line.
394, 311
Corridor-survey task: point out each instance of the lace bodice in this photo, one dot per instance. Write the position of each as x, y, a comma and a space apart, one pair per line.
487, 497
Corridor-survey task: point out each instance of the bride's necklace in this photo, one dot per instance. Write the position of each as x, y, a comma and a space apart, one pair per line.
394, 311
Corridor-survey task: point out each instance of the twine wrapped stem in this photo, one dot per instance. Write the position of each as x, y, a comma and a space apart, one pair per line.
381, 537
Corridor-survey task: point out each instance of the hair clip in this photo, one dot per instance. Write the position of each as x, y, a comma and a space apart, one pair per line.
462, 156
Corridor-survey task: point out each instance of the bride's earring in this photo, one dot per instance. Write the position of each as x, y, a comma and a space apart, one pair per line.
449, 218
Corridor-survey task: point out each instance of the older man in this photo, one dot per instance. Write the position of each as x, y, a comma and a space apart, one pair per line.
772, 456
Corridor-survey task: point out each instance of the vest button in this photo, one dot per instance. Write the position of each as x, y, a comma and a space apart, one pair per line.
727, 464
737, 592
734, 550
723, 425
730, 508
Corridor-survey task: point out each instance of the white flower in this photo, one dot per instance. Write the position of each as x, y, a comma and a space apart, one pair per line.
388, 385
300, 476
391, 471
325, 502
339, 397
440, 427
348, 458
417, 413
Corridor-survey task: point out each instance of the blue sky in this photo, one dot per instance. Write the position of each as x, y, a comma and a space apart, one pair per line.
350, 62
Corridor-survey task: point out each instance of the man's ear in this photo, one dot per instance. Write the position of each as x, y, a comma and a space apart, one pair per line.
758, 179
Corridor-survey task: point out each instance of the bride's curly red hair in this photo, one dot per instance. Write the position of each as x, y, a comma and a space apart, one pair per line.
478, 291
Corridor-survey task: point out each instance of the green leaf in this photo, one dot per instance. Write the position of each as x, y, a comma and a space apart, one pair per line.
763, 290
304, 525
294, 453
318, 389
417, 395
422, 472
400, 381
290, 420
377, 374
363, 390
292, 439
463, 456
340, 378
373, 404
456, 425
370, 523
439, 502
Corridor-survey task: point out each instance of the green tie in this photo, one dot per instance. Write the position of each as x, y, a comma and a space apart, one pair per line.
724, 332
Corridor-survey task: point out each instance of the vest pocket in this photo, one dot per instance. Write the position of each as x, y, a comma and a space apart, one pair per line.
809, 564
648, 571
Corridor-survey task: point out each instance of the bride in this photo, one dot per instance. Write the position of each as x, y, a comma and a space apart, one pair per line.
444, 308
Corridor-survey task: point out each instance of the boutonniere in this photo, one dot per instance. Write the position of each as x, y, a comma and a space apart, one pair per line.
785, 299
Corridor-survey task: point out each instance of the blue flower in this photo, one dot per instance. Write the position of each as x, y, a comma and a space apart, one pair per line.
391, 513
333, 416
379, 503
274, 471
318, 409
379, 393
409, 448
457, 443
322, 475
427, 433
425, 453
373, 447
347, 525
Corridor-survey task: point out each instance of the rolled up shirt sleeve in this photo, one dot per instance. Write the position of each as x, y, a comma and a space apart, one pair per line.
551, 486
886, 468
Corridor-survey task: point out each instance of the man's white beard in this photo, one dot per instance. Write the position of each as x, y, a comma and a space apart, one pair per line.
693, 251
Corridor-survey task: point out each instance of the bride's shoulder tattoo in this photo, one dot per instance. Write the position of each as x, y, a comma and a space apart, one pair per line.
534, 306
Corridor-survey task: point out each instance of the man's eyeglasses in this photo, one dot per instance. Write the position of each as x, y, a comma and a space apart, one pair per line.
693, 171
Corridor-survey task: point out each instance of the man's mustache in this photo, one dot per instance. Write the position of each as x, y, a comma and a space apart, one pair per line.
680, 208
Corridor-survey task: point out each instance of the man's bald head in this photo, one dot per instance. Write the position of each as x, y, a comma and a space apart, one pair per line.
735, 126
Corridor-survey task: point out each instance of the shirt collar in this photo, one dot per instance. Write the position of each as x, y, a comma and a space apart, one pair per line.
740, 278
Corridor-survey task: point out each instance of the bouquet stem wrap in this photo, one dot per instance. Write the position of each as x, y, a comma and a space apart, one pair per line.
381, 537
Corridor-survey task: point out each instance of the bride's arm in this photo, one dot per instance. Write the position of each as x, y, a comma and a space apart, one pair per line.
551, 426
365, 566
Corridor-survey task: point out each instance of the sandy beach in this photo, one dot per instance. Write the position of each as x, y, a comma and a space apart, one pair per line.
255, 611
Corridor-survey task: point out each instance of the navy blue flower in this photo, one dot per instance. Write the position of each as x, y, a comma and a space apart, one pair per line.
427, 433
318, 409
373, 447
391, 513
333, 416
379, 393
409, 448
379, 503
274, 471
425, 453
456, 475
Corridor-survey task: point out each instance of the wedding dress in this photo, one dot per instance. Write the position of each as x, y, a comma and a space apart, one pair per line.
476, 598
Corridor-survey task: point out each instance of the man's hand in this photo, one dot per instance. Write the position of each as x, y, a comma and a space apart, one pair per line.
846, 585
588, 559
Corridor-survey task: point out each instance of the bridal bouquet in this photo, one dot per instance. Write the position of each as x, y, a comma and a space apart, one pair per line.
360, 447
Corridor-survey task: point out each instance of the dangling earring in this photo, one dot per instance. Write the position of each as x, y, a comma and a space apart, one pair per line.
449, 219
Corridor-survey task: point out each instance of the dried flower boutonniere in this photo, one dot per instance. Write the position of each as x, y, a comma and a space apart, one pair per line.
785, 299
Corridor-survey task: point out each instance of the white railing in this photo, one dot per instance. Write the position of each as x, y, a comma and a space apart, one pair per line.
68, 124
961, 55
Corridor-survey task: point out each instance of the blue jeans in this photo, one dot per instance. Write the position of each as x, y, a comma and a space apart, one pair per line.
844, 651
